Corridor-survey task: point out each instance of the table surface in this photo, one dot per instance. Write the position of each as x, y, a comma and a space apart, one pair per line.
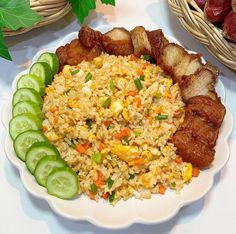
22, 213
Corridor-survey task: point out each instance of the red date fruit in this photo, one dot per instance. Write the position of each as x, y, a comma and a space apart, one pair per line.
216, 10
229, 29
201, 3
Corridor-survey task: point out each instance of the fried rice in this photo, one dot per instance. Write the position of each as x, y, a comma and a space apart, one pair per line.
111, 120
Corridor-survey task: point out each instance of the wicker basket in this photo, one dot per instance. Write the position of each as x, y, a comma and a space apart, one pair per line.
51, 10
192, 19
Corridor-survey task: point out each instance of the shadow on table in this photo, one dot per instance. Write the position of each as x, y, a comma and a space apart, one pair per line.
39, 210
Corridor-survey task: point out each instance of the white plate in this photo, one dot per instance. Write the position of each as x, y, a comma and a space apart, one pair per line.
155, 210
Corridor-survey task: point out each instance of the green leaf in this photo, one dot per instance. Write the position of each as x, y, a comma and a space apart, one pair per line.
111, 2
3, 48
81, 8
15, 14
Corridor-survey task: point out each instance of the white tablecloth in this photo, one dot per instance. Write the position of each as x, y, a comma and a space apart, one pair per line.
22, 213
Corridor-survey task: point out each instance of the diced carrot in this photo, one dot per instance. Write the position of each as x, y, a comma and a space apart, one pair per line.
133, 57
137, 162
139, 72
100, 179
125, 132
144, 66
107, 123
195, 172
158, 110
100, 147
150, 119
56, 119
162, 189
137, 101
86, 145
80, 148
91, 195
178, 160
53, 109
132, 93
78, 67
105, 195
45, 128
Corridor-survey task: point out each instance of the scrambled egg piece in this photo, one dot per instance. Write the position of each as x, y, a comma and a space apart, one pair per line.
126, 153
187, 172
116, 107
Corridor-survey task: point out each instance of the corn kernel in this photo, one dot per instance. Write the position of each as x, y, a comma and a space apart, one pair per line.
187, 172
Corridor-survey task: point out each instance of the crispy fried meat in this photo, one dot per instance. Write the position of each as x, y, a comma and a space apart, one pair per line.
157, 41
212, 111
200, 129
117, 42
140, 41
89, 37
201, 83
177, 62
192, 150
74, 53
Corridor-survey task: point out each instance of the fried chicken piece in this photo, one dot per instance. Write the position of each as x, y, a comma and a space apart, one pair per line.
212, 68
74, 53
211, 111
89, 37
176, 61
200, 129
191, 150
140, 41
157, 41
201, 83
117, 42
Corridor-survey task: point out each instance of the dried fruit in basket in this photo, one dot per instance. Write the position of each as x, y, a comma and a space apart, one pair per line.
229, 29
201, 3
216, 10
234, 5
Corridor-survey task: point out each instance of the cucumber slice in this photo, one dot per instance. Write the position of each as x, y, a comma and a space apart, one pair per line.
27, 94
62, 183
23, 142
52, 60
31, 81
45, 166
22, 123
37, 151
27, 107
43, 70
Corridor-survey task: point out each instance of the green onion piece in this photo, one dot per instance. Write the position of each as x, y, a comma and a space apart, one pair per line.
142, 77
145, 57
106, 103
67, 91
89, 123
173, 185
71, 144
112, 85
161, 117
131, 176
112, 197
126, 140
93, 188
88, 77
158, 96
136, 133
75, 72
138, 84
97, 158
110, 182
112, 126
